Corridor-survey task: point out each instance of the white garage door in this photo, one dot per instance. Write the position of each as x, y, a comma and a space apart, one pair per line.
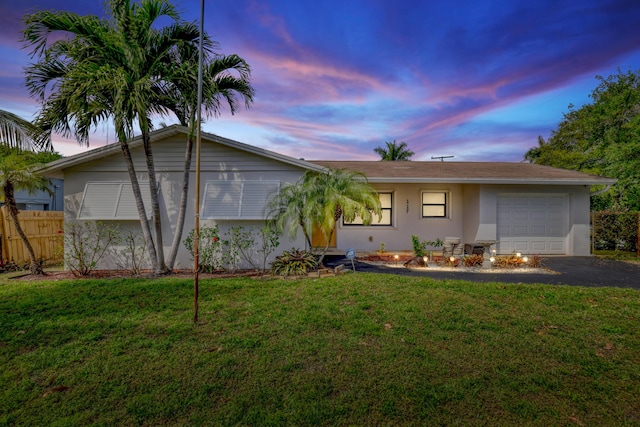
532, 224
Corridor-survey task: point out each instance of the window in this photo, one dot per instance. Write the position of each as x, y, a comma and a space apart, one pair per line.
435, 204
112, 201
237, 199
386, 204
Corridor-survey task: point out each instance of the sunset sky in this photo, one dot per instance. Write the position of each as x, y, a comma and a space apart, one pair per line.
479, 80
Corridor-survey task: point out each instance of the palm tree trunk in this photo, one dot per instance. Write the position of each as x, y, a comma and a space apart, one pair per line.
35, 267
177, 234
326, 248
161, 267
144, 224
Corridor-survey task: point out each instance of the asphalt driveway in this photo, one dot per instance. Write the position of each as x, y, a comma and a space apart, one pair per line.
574, 271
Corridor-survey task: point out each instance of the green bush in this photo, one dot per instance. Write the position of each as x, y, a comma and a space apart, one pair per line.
293, 262
615, 231
474, 260
210, 253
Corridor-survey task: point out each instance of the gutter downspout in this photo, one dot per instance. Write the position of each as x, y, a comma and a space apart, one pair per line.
605, 189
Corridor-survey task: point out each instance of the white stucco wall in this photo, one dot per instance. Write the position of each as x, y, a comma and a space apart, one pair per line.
217, 163
407, 220
473, 216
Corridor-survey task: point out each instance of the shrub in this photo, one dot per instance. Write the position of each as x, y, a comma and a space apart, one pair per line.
474, 260
293, 262
508, 261
85, 243
209, 248
535, 261
133, 256
419, 248
615, 231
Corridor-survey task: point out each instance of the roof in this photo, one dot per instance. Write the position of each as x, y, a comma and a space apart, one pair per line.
375, 171
55, 168
465, 172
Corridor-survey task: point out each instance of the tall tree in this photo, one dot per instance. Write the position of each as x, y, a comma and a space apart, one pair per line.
107, 68
394, 151
17, 173
601, 137
16, 132
225, 78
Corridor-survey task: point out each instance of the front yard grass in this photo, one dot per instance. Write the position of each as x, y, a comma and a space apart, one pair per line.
359, 349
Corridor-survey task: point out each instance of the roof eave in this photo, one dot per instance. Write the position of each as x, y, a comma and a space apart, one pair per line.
55, 168
395, 180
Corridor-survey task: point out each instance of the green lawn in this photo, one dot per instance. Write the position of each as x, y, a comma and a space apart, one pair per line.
618, 255
359, 349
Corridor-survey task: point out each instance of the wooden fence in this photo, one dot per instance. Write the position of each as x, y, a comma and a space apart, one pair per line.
43, 229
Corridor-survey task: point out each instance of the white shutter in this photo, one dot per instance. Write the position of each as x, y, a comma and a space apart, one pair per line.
237, 199
112, 201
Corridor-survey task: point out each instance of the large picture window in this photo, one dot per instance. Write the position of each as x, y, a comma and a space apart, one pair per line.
386, 204
435, 204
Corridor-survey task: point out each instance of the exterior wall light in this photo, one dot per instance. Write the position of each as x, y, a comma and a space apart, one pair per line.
518, 254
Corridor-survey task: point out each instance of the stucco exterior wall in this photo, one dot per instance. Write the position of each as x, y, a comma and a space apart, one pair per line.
578, 231
407, 220
217, 163
472, 216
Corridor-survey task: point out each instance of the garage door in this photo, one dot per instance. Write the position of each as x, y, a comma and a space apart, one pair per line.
532, 224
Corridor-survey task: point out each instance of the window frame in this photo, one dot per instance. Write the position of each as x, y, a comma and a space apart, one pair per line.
373, 222
446, 205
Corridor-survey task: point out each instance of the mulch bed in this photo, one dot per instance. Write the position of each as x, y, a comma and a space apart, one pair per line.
101, 274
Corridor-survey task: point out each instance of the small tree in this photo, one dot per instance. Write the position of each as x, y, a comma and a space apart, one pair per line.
322, 198
338, 194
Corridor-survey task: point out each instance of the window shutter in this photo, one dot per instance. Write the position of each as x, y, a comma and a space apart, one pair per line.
112, 201
237, 199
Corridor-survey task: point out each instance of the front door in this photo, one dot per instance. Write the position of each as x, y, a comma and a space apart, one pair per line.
319, 241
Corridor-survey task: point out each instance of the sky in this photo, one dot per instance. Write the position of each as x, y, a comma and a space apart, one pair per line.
477, 80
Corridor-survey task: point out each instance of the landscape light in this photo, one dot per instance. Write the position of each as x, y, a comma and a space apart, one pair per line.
452, 258
492, 259
525, 259
518, 254
425, 259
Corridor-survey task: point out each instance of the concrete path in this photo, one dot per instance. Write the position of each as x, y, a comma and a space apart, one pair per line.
574, 271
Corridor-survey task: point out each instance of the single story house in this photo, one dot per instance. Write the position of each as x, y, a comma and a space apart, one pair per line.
523, 207
51, 200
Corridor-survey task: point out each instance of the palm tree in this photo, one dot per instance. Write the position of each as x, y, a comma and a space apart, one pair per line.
394, 151
224, 77
15, 132
109, 69
534, 153
17, 173
336, 194
322, 198
287, 210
